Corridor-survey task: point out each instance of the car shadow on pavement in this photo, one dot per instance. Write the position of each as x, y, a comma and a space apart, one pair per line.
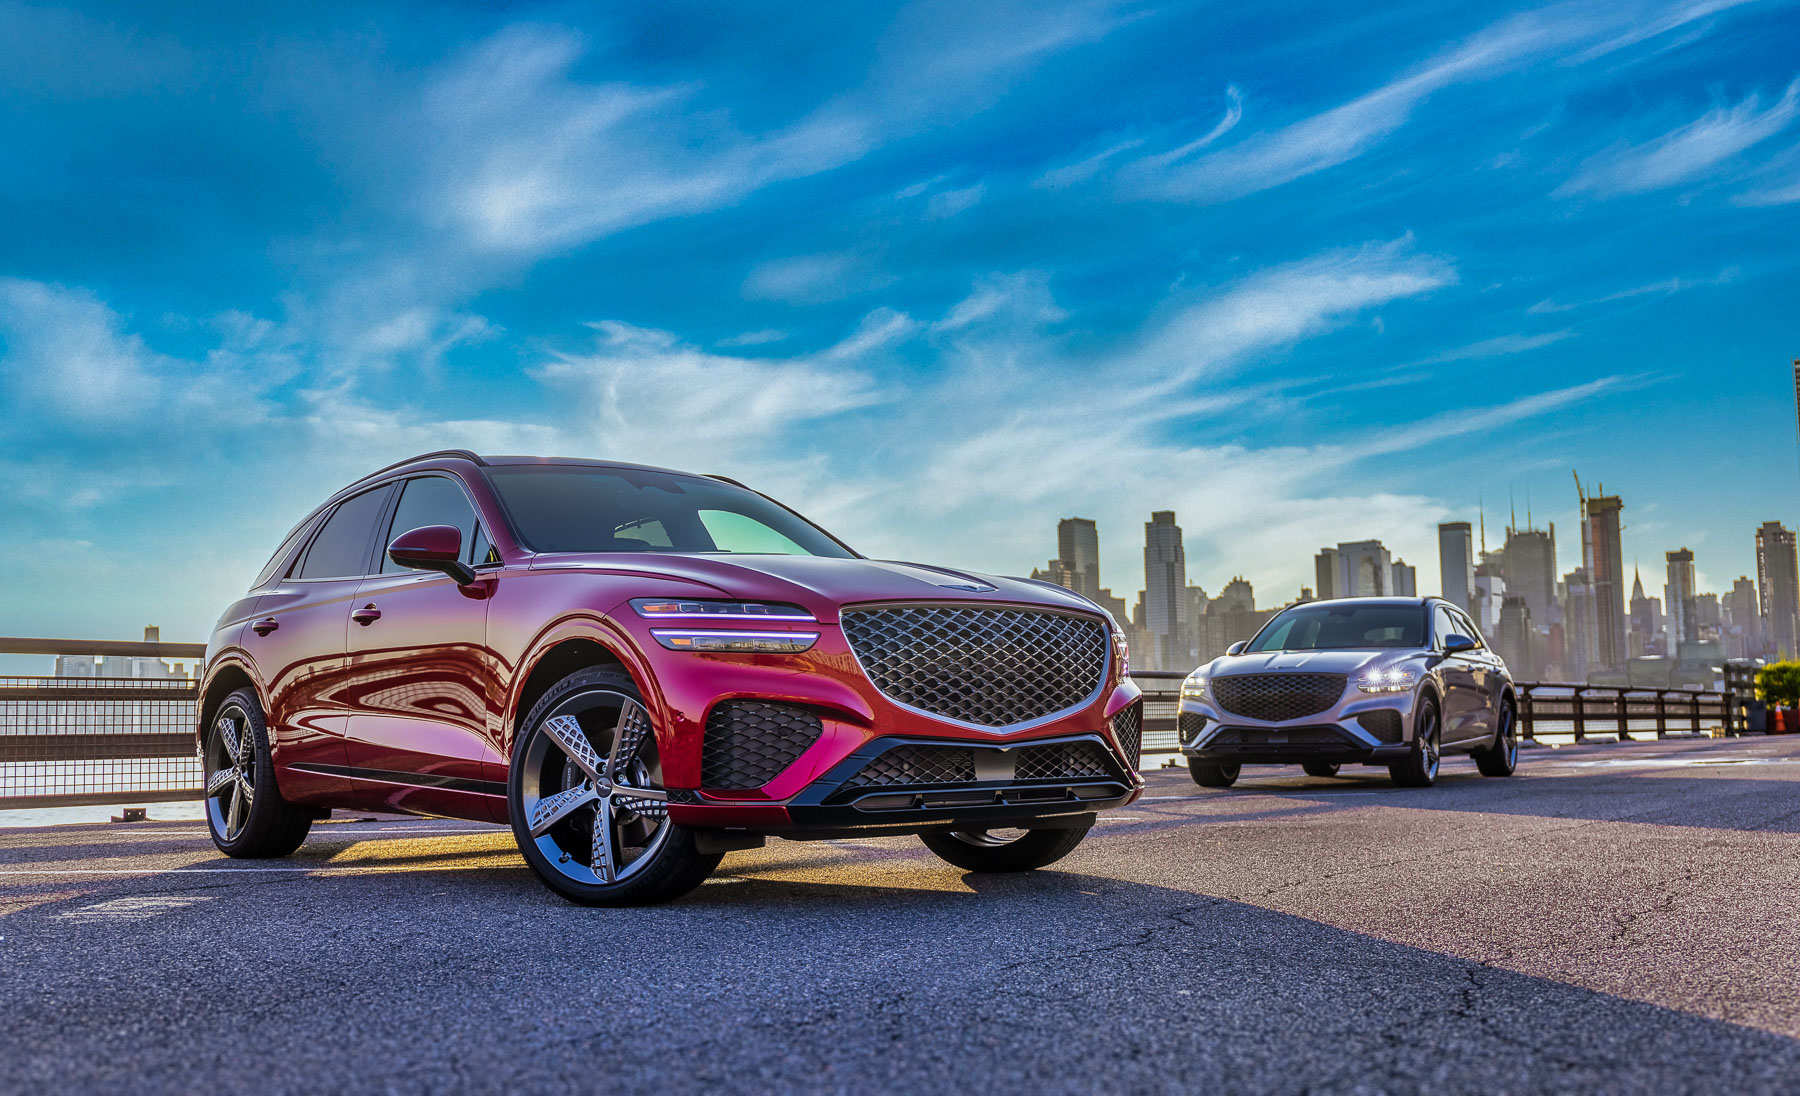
863, 977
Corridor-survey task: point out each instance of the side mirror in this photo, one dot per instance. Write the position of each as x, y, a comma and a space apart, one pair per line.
1238, 647
432, 548
1456, 644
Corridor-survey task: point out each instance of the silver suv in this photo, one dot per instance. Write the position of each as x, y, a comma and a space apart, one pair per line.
1375, 680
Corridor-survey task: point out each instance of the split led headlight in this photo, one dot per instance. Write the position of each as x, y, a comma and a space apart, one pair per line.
1393, 679
728, 640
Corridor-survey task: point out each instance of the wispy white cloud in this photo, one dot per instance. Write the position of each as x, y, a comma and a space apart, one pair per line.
814, 279
1651, 289
1687, 153
1270, 158
1499, 346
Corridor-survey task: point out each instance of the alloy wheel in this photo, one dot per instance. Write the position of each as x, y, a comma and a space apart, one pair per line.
592, 792
230, 773
1431, 748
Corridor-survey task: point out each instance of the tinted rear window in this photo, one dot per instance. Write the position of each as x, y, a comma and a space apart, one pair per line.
341, 550
1337, 626
573, 509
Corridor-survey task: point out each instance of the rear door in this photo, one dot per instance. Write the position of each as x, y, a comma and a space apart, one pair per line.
425, 689
1458, 675
297, 638
1484, 667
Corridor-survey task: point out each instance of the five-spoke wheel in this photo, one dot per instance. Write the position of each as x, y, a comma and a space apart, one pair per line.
244, 809
587, 799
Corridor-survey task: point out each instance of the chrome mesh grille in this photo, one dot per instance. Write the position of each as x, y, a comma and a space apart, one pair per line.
1276, 698
992, 667
1061, 761
918, 765
748, 744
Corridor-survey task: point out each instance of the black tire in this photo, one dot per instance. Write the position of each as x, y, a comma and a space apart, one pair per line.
1502, 757
671, 865
1320, 768
1214, 774
245, 813
1420, 768
976, 850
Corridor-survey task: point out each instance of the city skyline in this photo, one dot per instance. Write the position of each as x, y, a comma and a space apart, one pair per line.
967, 270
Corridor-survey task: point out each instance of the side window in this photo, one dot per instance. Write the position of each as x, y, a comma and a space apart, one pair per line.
1468, 628
282, 553
341, 550
1443, 625
434, 500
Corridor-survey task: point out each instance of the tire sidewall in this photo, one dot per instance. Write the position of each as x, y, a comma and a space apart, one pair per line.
265, 799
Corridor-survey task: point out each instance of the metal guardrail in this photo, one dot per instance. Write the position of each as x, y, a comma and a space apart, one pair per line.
1545, 708
74, 741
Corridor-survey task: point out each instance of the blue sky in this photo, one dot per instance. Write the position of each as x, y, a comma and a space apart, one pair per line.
935, 274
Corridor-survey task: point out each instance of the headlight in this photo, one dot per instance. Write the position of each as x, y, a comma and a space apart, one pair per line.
761, 643
667, 608
1123, 650
1394, 679
1194, 688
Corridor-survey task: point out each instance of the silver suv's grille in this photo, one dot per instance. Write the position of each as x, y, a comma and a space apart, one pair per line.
1276, 698
993, 667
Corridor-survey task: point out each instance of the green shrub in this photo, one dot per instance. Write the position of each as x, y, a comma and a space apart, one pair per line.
1779, 684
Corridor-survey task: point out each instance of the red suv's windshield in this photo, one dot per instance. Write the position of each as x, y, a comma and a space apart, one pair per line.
569, 508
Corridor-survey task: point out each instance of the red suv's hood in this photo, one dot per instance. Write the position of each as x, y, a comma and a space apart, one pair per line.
818, 583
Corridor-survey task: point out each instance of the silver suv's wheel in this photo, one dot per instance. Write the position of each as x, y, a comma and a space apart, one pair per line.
1502, 757
587, 800
1420, 768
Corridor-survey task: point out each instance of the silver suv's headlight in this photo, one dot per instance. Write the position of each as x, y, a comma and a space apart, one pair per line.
1194, 688
1393, 679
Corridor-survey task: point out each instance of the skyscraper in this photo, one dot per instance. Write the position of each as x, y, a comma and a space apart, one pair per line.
1578, 625
1645, 637
1678, 600
1165, 591
1078, 545
1358, 569
1779, 585
1602, 557
1519, 643
1456, 562
1325, 566
1744, 617
1406, 579
1528, 563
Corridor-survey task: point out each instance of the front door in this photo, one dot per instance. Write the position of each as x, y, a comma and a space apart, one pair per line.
297, 639
425, 692
1458, 675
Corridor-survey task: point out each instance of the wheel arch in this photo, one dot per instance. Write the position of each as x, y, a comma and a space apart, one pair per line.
226, 678
558, 659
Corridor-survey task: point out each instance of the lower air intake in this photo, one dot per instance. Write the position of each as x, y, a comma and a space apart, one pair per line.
1128, 728
747, 744
917, 765
1062, 761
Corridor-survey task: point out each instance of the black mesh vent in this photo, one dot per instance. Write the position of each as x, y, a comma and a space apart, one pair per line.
1289, 736
1061, 761
918, 765
1190, 725
1383, 724
748, 744
1276, 698
988, 666
1128, 728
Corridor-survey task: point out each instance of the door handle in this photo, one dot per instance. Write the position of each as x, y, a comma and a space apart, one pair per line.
265, 626
366, 615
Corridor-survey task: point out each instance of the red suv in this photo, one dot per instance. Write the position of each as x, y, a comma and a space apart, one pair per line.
641, 670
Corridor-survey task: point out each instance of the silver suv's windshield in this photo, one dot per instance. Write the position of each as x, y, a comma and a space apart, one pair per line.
1343, 625
571, 508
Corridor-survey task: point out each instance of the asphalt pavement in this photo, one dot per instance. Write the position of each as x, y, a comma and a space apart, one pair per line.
1616, 918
